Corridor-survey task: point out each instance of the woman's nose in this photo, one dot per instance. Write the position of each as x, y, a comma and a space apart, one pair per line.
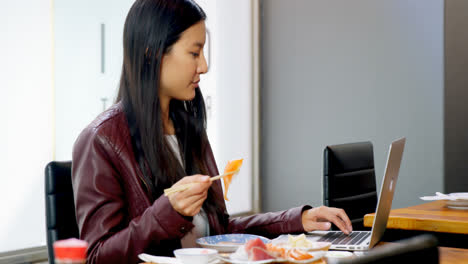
202, 66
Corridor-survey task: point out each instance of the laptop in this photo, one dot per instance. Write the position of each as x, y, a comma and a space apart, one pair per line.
364, 240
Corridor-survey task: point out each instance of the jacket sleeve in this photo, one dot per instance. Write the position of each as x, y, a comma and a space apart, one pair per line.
270, 224
100, 207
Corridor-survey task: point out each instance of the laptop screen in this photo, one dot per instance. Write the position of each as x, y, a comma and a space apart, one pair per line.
384, 205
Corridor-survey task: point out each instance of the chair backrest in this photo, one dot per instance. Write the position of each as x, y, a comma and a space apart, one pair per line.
349, 180
60, 206
419, 249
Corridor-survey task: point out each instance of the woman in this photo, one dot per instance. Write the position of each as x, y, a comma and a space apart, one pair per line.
151, 139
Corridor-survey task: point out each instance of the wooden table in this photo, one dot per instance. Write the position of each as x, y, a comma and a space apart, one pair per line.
449, 255
450, 226
432, 217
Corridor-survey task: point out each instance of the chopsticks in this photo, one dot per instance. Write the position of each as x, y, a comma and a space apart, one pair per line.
184, 187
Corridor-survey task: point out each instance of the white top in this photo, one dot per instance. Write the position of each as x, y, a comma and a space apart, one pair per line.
200, 220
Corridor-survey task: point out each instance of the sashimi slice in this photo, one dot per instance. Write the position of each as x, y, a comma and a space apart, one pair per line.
257, 250
259, 254
232, 165
256, 242
298, 254
276, 251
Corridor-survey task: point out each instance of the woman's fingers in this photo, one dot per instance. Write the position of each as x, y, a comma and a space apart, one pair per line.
340, 223
195, 207
343, 218
184, 204
342, 214
198, 188
189, 202
192, 179
200, 184
317, 218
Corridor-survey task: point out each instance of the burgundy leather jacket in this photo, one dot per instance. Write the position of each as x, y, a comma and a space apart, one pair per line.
114, 213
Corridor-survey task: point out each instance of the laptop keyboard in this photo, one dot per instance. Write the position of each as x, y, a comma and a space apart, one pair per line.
340, 238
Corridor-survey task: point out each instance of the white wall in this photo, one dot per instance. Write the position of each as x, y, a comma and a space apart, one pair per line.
80, 83
233, 61
228, 84
26, 137
338, 71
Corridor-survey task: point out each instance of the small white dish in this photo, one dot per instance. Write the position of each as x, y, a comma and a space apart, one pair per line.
196, 255
338, 254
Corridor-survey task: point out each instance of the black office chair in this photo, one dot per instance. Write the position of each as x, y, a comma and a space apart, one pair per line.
420, 249
349, 180
60, 206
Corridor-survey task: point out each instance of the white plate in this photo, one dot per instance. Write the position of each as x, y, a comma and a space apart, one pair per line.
457, 207
461, 202
460, 195
282, 241
317, 255
166, 260
227, 242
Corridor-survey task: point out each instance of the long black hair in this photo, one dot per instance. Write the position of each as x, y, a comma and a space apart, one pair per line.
151, 28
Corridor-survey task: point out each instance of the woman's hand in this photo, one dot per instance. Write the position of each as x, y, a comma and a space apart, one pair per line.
319, 218
189, 202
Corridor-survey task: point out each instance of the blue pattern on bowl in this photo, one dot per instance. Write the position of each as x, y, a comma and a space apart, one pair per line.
216, 242
234, 238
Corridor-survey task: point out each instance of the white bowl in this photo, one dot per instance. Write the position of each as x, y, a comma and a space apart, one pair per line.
196, 255
338, 254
